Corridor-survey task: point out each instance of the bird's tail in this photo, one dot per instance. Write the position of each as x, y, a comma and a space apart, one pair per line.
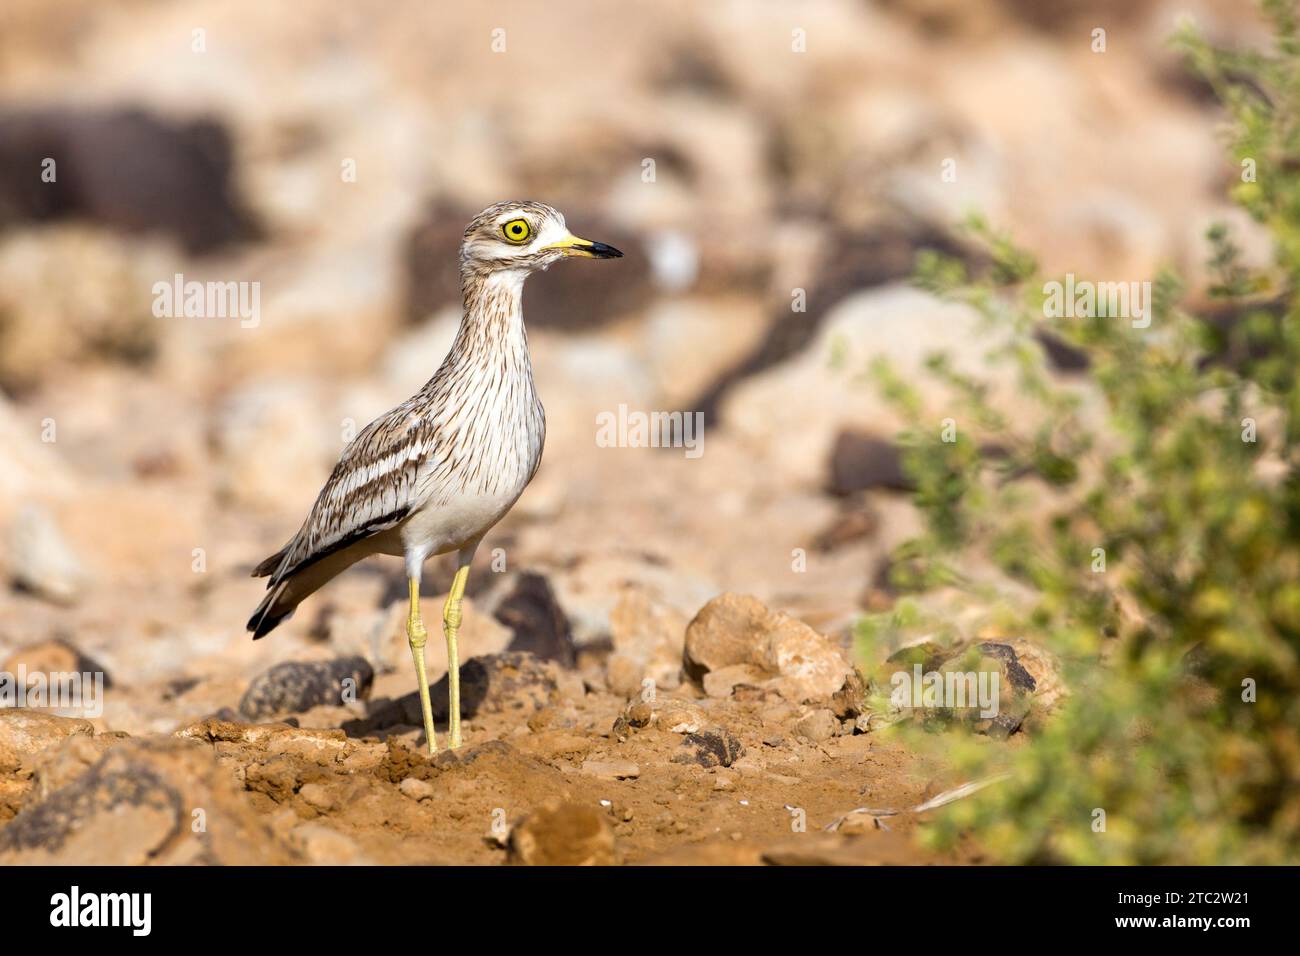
273, 610
287, 593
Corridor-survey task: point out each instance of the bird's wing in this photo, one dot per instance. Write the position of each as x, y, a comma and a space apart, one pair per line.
372, 488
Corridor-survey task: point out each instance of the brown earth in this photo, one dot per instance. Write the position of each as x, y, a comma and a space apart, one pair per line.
149, 463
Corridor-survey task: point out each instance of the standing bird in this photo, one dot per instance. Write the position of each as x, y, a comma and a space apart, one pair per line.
438, 471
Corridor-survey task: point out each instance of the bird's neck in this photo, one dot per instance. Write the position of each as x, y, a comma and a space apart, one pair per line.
494, 311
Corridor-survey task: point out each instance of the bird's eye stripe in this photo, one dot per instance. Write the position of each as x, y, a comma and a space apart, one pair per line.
516, 230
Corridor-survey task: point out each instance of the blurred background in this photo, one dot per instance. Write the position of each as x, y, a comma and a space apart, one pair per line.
741, 153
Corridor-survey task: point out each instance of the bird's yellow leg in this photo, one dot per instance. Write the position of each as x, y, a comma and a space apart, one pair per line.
451, 627
418, 637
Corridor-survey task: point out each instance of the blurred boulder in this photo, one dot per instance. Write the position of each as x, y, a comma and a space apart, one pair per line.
295, 686
124, 169
860, 461
538, 623
562, 834
847, 263
53, 656
145, 802
648, 637
50, 326
40, 559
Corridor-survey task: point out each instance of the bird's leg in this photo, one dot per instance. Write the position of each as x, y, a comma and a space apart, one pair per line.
418, 637
451, 627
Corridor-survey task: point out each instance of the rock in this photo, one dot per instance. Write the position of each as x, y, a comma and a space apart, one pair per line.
40, 560
493, 683
29, 468
592, 585
789, 656
273, 441
712, 747
1026, 681
562, 834
818, 725
317, 796
790, 414
54, 656
623, 675
321, 846
26, 733
145, 802
854, 521
611, 769
295, 686
664, 713
689, 341
851, 263
128, 170
724, 680
539, 624
648, 638
512, 681
416, 789
860, 461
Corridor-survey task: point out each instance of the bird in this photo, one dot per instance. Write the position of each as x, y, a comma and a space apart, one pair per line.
434, 474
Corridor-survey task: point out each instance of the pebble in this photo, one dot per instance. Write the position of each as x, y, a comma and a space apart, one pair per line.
416, 789
818, 725
316, 795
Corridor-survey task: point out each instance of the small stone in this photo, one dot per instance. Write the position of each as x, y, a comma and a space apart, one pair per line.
53, 656
780, 653
136, 805
295, 686
540, 625
665, 713
611, 769
860, 461
317, 796
322, 846
647, 636
40, 560
818, 725
415, 789
710, 748
26, 733
563, 834
723, 782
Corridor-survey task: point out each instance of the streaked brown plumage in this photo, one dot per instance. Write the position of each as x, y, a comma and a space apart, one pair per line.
435, 473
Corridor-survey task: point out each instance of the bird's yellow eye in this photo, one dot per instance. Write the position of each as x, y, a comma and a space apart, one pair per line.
517, 230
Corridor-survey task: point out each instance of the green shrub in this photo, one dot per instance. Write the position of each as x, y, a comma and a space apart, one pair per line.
1199, 599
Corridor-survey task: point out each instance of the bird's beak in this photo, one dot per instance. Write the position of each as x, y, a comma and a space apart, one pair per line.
574, 246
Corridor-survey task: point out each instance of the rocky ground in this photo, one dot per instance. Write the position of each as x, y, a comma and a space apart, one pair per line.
762, 754
659, 654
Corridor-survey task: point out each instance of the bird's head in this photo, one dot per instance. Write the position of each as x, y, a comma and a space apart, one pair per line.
523, 236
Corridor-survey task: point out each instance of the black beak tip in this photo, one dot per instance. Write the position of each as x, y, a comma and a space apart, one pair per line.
602, 251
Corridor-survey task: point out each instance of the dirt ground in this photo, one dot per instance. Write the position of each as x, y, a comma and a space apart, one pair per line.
151, 461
